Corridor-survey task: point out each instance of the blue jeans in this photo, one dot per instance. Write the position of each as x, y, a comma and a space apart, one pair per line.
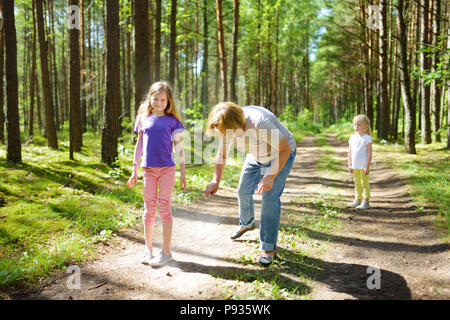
251, 175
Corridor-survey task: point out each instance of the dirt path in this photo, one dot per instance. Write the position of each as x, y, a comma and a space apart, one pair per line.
391, 236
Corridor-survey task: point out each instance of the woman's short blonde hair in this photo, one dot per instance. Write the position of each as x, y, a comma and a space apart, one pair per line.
225, 115
361, 118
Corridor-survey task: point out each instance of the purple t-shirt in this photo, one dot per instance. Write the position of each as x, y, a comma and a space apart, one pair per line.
158, 133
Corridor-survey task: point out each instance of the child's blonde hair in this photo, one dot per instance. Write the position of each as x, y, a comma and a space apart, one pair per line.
225, 115
146, 108
361, 118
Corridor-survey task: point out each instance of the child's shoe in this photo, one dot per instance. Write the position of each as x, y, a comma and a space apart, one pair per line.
161, 260
354, 204
148, 256
363, 206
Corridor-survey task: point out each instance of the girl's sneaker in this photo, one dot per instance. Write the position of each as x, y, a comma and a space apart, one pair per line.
148, 256
161, 260
354, 204
364, 205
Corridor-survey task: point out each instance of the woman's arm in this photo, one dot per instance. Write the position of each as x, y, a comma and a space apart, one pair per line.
221, 159
284, 150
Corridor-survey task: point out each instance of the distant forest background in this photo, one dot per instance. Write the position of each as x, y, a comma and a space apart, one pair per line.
321, 60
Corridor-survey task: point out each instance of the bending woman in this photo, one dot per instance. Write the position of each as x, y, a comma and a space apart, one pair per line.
271, 150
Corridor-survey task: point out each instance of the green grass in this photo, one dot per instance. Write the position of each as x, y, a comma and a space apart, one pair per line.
428, 174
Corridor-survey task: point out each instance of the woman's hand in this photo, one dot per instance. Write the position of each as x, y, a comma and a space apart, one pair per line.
133, 179
183, 181
350, 169
211, 189
366, 171
265, 184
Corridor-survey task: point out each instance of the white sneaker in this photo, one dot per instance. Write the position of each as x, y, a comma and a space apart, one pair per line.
161, 260
354, 204
364, 205
148, 256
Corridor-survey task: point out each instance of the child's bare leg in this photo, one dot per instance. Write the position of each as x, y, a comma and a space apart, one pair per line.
167, 237
148, 235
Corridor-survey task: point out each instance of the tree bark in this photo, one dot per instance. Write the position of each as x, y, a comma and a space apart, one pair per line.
384, 97
435, 89
408, 105
157, 76
2, 57
173, 42
112, 95
141, 53
46, 86
14, 152
233, 95
74, 88
424, 66
205, 72
222, 53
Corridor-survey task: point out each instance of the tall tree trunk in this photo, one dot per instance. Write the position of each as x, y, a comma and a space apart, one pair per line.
32, 73
54, 76
111, 103
157, 76
141, 58
74, 88
205, 72
14, 152
233, 95
435, 89
83, 69
384, 97
151, 44
424, 66
222, 53
127, 105
46, 86
408, 105
2, 57
173, 42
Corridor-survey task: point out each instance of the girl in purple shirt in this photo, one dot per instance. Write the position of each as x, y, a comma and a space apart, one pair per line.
158, 125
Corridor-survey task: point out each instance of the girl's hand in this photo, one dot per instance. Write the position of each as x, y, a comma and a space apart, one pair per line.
265, 184
183, 182
366, 171
133, 179
350, 169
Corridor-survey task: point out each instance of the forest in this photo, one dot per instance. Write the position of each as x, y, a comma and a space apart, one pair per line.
73, 74
88, 67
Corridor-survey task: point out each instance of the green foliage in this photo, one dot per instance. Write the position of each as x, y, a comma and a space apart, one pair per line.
300, 124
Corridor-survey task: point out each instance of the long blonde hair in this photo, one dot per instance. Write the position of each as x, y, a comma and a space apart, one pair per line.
361, 118
145, 108
225, 115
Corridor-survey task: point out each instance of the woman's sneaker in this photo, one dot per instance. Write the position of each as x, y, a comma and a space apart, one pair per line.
148, 256
364, 205
354, 204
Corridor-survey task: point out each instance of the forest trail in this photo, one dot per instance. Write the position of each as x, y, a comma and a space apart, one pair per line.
392, 236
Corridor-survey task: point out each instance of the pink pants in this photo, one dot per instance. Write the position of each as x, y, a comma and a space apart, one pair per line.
165, 178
